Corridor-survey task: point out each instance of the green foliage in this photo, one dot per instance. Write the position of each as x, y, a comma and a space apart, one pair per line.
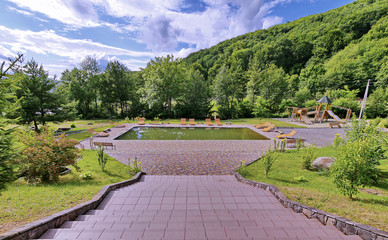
308, 157
86, 175
134, 166
377, 103
73, 125
42, 156
36, 93
279, 145
301, 179
7, 152
358, 157
299, 144
268, 160
242, 170
338, 140
302, 96
102, 157
163, 83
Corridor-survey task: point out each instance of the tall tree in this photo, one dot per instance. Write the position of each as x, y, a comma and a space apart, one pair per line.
163, 79
7, 153
36, 91
117, 86
195, 100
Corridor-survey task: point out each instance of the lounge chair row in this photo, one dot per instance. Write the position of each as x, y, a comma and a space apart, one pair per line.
207, 120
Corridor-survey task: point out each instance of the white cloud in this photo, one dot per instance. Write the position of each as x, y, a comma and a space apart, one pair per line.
71, 12
161, 25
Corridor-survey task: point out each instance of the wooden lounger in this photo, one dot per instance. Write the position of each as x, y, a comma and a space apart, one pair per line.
98, 134
264, 125
217, 120
192, 121
335, 124
141, 121
271, 127
281, 136
209, 122
183, 121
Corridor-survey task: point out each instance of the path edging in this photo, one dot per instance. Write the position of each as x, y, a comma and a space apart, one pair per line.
345, 225
37, 228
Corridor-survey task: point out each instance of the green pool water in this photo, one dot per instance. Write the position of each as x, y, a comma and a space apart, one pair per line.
198, 133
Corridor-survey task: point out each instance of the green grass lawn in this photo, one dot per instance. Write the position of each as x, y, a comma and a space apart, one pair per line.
22, 203
320, 192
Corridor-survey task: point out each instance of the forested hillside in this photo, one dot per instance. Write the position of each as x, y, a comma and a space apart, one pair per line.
339, 49
256, 74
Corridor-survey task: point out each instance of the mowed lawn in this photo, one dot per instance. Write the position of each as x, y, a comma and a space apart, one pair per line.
369, 207
22, 203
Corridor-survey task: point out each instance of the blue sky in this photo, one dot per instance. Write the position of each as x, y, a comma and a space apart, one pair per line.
60, 33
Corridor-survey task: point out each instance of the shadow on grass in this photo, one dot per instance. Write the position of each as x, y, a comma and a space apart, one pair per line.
383, 202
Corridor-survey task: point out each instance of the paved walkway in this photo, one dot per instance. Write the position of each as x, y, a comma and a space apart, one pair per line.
186, 157
193, 207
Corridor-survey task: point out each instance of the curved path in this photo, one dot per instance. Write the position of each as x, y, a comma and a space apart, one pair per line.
193, 207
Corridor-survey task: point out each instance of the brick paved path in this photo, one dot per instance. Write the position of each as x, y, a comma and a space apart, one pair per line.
192, 207
185, 157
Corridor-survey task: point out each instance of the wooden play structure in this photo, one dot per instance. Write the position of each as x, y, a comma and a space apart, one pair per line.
322, 111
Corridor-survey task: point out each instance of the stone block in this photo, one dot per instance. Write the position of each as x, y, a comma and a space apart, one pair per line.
307, 212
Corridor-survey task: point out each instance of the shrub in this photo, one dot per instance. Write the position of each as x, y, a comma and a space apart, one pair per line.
86, 176
42, 155
299, 144
358, 157
73, 125
7, 155
134, 166
242, 170
338, 140
308, 157
102, 157
268, 159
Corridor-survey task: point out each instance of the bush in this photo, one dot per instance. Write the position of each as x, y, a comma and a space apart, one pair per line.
134, 166
358, 158
268, 160
308, 157
86, 176
73, 125
43, 156
7, 155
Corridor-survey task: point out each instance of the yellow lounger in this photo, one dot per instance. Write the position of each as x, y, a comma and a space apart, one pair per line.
281, 136
271, 127
264, 125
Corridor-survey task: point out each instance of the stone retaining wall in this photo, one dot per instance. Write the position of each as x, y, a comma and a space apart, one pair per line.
346, 226
37, 228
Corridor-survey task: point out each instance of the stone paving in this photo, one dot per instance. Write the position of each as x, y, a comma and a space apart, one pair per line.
193, 207
186, 157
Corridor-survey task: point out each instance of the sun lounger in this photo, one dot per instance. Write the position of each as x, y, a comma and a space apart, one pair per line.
118, 125
141, 121
98, 134
281, 136
264, 125
192, 121
209, 122
217, 120
271, 127
183, 121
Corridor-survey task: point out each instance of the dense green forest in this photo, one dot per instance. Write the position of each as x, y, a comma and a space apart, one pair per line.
256, 74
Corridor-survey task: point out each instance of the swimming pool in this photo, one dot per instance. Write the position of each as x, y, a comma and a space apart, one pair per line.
190, 133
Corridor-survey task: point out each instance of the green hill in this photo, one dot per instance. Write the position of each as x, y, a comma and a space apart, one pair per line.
344, 46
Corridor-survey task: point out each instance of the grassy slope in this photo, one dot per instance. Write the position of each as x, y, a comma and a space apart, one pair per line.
22, 203
320, 192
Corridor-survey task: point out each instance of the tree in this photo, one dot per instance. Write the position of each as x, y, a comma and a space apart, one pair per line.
117, 86
163, 80
36, 91
7, 152
226, 88
270, 83
195, 99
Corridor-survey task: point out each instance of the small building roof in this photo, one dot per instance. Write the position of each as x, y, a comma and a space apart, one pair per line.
325, 99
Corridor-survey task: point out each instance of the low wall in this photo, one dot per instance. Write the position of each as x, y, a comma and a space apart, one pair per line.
37, 228
346, 226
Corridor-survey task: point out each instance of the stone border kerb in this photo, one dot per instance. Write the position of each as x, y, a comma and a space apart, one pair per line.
37, 228
346, 226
